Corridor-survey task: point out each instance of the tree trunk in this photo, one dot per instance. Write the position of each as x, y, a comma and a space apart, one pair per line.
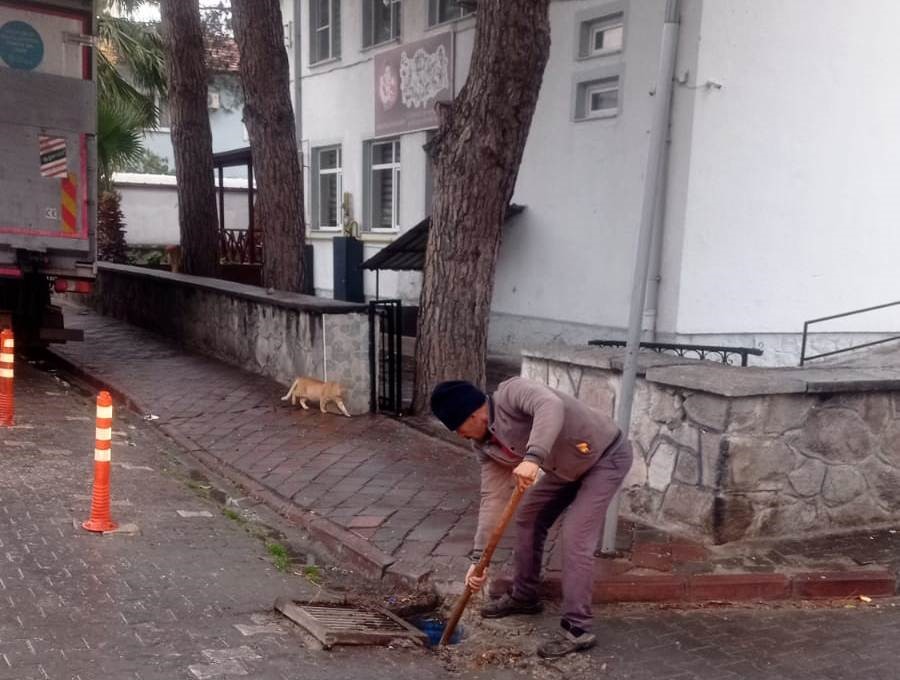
191, 136
476, 152
270, 125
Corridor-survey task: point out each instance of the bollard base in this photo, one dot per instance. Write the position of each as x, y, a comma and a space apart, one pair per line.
100, 526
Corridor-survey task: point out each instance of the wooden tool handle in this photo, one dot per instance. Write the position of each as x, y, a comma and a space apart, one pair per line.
483, 563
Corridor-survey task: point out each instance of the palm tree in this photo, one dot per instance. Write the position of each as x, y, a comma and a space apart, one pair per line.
130, 81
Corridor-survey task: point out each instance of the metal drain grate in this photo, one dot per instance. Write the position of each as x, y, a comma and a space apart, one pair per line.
347, 624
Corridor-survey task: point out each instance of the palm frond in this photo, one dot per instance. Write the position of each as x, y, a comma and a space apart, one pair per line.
119, 138
112, 86
125, 7
138, 48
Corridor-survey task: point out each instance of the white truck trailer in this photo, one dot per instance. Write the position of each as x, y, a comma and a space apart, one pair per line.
48, 178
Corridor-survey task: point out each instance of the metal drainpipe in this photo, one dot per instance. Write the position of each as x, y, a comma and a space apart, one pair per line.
298, 75
654, 278
655, 152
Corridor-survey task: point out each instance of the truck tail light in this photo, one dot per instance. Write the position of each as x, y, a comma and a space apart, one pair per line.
72, 285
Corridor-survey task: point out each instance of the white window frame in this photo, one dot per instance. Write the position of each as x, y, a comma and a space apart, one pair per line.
317, 196
314, 57
590, 89
369, 17
601, 26
395, 167
434, 13
587, 83
590, 22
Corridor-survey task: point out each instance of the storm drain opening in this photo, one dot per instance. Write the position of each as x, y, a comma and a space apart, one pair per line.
433, 626
334, 623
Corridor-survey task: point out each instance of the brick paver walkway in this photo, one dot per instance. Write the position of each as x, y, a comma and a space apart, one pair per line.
187, 597
411, 496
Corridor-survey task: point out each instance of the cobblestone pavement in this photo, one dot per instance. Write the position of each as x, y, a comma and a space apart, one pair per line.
186, 597
190, 596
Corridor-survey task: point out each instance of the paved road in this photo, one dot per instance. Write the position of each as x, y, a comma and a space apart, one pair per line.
190, 597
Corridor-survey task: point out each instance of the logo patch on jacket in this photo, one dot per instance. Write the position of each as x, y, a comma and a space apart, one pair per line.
583, 447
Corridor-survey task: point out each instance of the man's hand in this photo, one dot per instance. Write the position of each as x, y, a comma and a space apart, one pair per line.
526, 472
475, 582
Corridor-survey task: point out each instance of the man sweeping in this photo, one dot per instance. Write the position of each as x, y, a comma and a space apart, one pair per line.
525, 427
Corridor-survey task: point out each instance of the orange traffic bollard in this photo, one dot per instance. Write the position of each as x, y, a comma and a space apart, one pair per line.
7, 359
100, 519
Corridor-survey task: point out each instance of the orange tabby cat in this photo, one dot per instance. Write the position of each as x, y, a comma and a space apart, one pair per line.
304, 389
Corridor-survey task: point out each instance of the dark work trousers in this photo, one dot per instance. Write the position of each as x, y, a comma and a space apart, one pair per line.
586, 500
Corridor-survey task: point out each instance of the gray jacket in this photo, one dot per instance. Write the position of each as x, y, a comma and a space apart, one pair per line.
530, 421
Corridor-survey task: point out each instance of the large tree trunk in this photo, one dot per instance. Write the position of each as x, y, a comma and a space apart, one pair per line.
191, 137
477, 152
270, 125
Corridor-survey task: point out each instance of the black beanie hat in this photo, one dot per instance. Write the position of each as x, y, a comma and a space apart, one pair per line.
452, 402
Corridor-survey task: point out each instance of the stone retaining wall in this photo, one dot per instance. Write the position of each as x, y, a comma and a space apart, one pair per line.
280, 335
728, 453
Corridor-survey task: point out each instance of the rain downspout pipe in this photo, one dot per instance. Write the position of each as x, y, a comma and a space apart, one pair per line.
655, 152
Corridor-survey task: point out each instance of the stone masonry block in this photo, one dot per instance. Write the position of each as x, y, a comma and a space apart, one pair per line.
842, 484
837, 435
565, 377
689, 505
707, 410
536, 369
597, 392
662, 465
759, 464
807, 479
884, 481
687, 469
710, 445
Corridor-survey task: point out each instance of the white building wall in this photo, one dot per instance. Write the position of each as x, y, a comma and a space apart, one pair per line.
565, 266
338, 108
793, 205
150, 207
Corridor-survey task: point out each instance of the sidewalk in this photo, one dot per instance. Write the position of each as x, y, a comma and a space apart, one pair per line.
185, 595
397, 504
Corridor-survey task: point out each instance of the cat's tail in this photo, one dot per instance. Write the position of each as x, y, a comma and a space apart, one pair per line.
290, 391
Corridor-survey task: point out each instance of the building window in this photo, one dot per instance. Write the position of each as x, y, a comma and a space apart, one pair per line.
325, 30
381, 21
601, 35
328, 191
383, 185
597, 98
442, 11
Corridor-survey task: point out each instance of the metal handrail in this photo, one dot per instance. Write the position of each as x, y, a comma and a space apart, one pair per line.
681, 350
806, 324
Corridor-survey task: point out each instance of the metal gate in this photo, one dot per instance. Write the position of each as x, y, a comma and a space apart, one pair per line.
386, 355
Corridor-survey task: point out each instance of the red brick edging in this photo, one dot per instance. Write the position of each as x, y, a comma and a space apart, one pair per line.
732, 587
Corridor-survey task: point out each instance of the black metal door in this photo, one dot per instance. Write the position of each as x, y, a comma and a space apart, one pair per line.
386, 355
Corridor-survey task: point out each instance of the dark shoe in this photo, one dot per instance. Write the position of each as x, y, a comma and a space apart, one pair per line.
509, 606
564, 643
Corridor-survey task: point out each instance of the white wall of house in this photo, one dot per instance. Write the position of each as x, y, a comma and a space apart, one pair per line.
780, 197
225, 123
792, 208
338, 108
150, 207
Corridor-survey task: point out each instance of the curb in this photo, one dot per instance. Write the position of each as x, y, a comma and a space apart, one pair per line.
367, 560
340, 545
731, 587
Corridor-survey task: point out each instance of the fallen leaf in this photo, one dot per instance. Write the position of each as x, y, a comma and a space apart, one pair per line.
865, 598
